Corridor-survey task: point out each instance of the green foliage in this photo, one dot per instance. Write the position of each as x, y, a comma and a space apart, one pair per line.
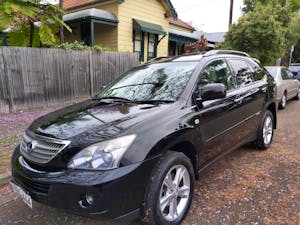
293, 38
19, 14
259, 33
249, 5
19, 37
80, 46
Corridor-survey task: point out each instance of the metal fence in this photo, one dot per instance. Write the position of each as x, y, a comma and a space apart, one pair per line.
33, 77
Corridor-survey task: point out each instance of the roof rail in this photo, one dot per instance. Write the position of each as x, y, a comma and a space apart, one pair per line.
159, 58
231, 52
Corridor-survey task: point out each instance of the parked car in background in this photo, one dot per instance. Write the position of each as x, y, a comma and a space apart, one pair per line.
295, 69
288, 87
137, 146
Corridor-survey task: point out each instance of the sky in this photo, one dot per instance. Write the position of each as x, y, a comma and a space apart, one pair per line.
207, 15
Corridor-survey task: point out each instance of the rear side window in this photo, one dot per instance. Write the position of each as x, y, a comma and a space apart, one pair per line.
284, 74
216, 72
242, 71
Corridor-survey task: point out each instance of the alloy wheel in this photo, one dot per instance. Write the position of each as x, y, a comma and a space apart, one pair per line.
268, 130
175, 192
283, 101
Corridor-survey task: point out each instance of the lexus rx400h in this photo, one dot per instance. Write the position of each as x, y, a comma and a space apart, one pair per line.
137, 147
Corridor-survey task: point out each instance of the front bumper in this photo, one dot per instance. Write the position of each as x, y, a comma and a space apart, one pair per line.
115, 193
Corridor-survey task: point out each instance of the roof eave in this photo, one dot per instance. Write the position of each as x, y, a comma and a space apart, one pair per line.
169, 3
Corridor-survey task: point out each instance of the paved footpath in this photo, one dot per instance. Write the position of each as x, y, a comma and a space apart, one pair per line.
246, 187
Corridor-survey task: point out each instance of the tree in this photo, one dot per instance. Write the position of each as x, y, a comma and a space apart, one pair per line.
61, 28
293, 39
258, 33
20, 14
249, 5
198, 46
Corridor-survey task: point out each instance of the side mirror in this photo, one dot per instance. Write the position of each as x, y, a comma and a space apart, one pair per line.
211, 92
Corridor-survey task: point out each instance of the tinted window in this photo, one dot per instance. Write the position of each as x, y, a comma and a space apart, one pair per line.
216, 72
259, 72
161, 81
284, 74
242, 71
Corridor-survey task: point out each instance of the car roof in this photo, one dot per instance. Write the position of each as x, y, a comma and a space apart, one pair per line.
275, 67
200, 55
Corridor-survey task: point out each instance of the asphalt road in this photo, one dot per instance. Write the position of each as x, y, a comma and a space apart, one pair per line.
245, 187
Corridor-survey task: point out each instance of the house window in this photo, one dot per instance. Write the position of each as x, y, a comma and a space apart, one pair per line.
138, 43
152, 46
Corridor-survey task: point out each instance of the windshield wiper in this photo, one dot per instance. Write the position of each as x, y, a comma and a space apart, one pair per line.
114, 99
153, 101
133, 85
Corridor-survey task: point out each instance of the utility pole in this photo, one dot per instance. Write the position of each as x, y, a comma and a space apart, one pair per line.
231, 12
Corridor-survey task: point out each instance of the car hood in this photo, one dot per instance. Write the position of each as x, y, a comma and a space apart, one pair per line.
93, 120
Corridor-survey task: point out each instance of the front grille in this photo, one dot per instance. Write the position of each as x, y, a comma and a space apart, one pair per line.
36, 186
41, 149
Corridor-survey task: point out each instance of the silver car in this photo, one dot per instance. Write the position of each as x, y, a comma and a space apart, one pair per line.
288, 86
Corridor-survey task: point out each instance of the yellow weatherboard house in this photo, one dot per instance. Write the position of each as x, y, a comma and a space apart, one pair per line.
142, 26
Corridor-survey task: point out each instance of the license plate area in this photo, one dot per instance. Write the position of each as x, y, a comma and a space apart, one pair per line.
25, 197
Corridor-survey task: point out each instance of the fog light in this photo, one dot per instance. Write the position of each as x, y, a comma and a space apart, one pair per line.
86, 201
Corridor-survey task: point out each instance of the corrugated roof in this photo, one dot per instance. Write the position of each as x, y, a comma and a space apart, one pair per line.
215, 36
96, 13
149, 27
184, 34
212, 37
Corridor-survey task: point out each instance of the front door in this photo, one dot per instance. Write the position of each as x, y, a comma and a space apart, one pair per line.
218, 117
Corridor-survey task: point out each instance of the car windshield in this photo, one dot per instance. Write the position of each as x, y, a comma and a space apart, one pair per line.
155, 82
294, 69
272, 71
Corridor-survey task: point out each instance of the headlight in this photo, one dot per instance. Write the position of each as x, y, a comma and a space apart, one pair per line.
103, 155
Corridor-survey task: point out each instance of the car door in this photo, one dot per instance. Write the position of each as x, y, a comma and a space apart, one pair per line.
218, 117
293, 84
251, 93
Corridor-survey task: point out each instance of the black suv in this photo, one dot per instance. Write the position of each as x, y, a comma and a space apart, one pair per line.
137, 146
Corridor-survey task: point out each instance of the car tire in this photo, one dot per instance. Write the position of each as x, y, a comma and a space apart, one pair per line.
297, 97
283, 100
166, 194
265, 132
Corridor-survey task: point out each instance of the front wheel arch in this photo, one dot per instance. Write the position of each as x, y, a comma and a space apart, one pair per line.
272, 109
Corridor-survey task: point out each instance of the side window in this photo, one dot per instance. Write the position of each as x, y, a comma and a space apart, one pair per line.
284, 74
216, 72
259, 71
244, 75
152, 46
138, 43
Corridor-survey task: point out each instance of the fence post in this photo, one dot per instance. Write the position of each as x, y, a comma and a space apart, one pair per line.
8, 85
91, 73
44, 77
